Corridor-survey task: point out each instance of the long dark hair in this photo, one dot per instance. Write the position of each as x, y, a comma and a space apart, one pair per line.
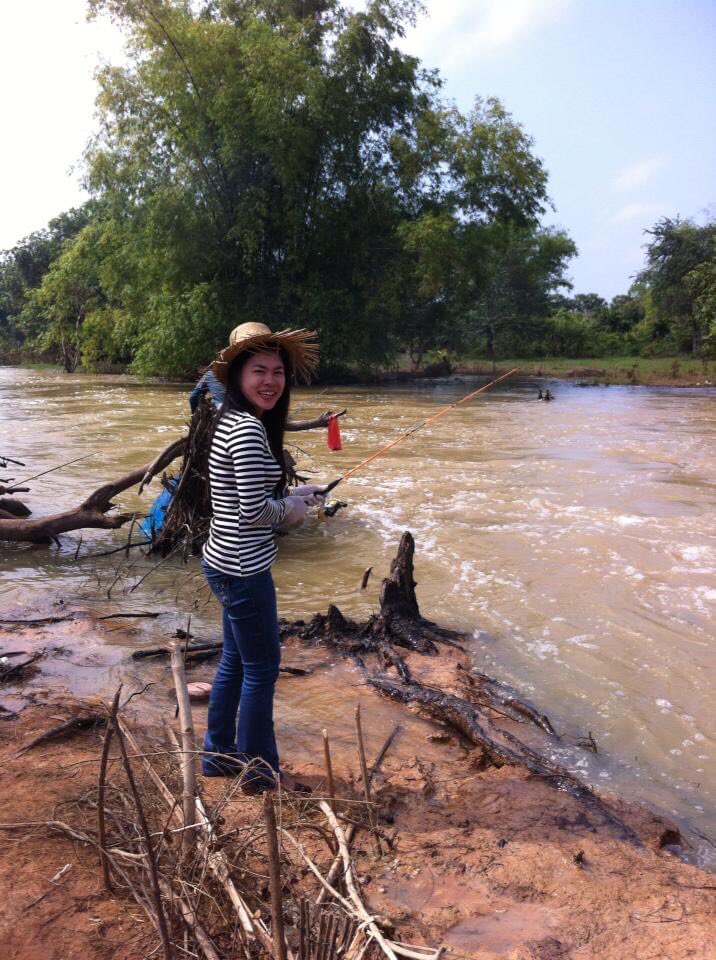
274, 420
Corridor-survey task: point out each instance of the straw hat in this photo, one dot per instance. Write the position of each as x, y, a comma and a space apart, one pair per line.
300, 345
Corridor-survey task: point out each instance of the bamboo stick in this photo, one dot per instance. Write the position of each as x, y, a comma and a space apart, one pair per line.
101, 833
329, 770
274, 877
366, 782
188, 760
153, 871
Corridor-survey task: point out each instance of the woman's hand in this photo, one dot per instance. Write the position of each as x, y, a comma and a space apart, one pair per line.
295, 511
312, 494
323, 418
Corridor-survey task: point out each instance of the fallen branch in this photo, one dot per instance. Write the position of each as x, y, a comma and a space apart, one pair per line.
91, 513
463, 717
174, 449
62, 730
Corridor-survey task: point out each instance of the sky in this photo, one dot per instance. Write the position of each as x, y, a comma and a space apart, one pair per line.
619, 96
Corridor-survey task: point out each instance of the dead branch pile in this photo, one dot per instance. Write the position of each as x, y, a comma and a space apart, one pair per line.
186, 524
244, 878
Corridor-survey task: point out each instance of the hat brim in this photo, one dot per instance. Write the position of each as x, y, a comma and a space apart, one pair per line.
300, 345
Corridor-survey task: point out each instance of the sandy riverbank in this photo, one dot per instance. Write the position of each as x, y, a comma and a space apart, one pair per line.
485, 858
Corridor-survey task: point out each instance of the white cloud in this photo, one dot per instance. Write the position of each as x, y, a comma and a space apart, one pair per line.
639, 174
456, 30
638, 211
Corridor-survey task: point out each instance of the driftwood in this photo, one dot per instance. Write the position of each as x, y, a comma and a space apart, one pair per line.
399, 623
91, 513
63, 730
203, 650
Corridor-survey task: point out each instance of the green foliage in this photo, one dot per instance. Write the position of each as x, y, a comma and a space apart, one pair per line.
22, 270
514, 278
680, 259
284, 161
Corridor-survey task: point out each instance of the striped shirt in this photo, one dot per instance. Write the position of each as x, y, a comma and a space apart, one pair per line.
243, 474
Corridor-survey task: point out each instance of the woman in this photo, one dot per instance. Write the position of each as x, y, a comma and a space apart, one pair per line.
248, 501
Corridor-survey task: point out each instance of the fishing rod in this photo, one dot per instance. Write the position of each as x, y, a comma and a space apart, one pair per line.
52, 469
409, 433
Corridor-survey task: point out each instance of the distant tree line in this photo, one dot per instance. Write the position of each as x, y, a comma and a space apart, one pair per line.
284, 161
669, 309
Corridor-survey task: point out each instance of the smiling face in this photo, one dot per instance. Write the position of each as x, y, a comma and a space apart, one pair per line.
263, 380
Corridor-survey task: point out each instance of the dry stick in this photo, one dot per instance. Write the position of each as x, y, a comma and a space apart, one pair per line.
274, 877
151, 470
327, 886
329, 770
192, 923
216, 859
321, 945
153, 872
188, 759
366, 918
129, 536
101, 833
330, 938
108, 553
350, 833
302, 923
366, 782
402, 949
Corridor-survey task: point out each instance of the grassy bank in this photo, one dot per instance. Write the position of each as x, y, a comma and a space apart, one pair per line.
683, 370
680, 371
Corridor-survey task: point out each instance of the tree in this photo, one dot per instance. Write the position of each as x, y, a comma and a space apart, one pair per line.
701, 284
677, 249
285, 161
23, 267
520, 271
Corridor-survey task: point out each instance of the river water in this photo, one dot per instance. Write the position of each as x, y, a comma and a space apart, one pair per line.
575, 541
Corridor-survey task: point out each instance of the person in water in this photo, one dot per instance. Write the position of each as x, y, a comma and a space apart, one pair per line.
249, 500
210, 383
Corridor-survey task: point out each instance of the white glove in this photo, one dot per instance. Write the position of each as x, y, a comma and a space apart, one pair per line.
295, 512
310, 493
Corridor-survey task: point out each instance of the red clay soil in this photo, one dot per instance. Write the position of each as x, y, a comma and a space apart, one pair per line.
490, 862
45, 913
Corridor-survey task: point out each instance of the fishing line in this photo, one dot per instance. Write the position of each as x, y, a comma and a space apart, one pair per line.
409, 433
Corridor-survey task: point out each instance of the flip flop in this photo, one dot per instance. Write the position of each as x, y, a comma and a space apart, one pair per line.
199, 690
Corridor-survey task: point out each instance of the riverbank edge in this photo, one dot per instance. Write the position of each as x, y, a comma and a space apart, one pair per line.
474, 843
679, 371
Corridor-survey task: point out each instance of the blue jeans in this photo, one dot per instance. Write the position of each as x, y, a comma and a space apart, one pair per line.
247, 676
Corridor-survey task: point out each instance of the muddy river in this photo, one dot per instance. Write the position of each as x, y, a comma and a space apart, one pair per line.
575, 541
